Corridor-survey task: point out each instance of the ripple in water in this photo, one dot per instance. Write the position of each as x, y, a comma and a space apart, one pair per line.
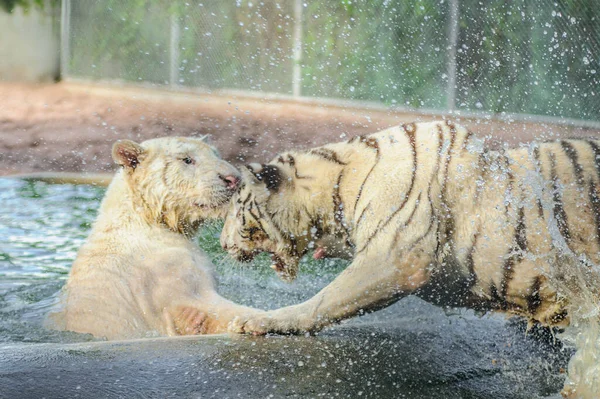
42, 226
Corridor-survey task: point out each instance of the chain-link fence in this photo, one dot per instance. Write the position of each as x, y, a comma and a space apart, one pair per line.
539, 57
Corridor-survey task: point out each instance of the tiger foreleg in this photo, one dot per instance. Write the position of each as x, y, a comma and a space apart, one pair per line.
207, 317
368, 284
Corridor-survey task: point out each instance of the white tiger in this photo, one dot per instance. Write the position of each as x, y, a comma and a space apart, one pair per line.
139, 272
423, 209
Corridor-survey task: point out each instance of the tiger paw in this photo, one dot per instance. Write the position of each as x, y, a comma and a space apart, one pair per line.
245, 325
191, 321
271, 322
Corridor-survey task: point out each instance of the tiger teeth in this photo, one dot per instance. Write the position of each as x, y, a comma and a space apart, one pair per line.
274, 266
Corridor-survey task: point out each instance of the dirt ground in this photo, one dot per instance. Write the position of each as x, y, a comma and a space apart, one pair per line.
71, 127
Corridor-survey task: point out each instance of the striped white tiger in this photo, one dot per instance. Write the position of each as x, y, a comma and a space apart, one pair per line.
423, 209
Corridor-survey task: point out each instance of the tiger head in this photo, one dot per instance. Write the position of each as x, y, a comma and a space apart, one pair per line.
176, 181
270, 213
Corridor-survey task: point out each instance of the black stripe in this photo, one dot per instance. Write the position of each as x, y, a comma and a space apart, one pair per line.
409, 128
521, 231
260, 214
246, 200
408, 220
466, 140
469, 259
449, 219
574, 158
338, 213
510, 184
507, 274
595, 204
448, 158
596, 151
381, 226
377, 158
559, 317
292, 162
361, 214
438, 158
271, 176
515, 254
559, 210
440, 130
495, 297
293, 244
353, 139
482, 169
338, 209
534, 299
432, 218
328, 155
257, 219
538, 166
371, 142
594, 194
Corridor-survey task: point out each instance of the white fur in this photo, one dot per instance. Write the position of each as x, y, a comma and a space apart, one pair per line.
139, 273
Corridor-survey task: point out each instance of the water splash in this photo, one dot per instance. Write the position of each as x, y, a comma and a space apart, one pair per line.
579, 280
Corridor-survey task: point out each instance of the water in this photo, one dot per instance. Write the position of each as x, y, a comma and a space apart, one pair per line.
411, 349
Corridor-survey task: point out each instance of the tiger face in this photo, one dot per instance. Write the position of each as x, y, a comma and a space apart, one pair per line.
177, 182
252, 224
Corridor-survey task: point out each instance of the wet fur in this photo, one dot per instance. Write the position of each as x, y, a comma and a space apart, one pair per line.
424, 209
139, 273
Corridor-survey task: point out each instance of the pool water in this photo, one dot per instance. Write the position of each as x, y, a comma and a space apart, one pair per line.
411, 349
43, 225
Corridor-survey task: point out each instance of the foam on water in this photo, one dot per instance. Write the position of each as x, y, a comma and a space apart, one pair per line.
578, 280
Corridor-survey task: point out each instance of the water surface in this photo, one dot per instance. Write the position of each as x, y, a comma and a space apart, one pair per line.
411, 349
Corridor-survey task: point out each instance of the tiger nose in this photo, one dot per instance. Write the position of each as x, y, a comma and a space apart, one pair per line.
230, 181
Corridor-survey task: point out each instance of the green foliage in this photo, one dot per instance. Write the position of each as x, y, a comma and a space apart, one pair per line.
10, 5
522, 57
512, 56
382, 50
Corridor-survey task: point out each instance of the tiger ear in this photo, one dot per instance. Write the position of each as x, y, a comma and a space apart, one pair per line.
268, 175
207, 139
128, 153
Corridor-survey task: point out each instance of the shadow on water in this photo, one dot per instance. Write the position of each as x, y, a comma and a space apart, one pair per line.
409, 350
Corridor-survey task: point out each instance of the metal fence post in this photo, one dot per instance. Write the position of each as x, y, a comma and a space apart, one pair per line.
65, 42
297, 39
174, 51
453, 39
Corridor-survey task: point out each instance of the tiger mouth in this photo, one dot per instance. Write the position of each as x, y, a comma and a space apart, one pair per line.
286, 267
244, 256
278, 264
285, 270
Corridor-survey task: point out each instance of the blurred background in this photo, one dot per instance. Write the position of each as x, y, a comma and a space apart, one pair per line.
525, 57
534, 65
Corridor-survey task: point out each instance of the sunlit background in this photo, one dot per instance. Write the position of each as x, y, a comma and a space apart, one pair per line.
261, 77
